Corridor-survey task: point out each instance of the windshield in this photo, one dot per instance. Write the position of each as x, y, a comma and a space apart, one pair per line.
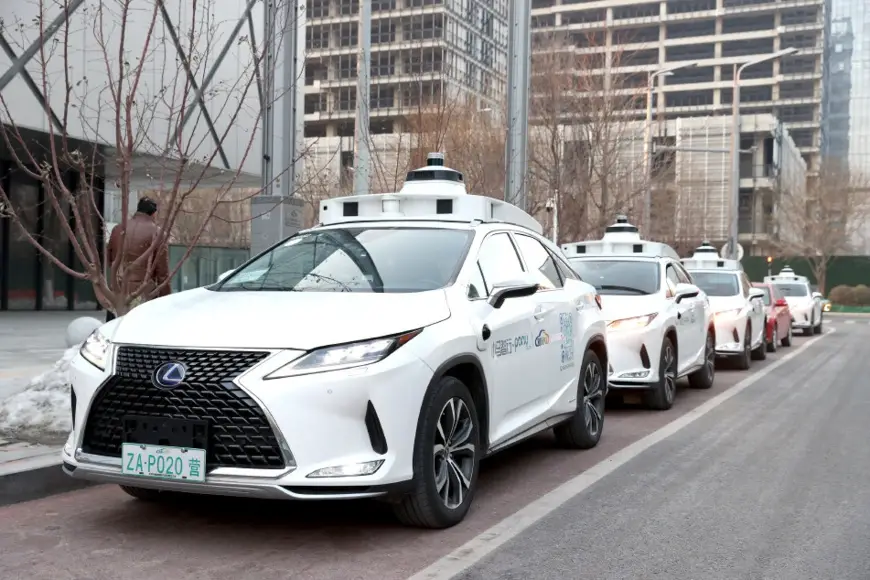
359, 259
717, 283
621, 277
793, 289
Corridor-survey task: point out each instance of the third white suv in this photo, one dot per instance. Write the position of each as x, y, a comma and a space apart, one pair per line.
660, 325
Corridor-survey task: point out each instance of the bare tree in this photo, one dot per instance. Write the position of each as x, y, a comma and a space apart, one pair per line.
584, 136
148, 109
829, 222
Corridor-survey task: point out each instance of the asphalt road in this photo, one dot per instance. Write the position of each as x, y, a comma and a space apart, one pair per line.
769, 484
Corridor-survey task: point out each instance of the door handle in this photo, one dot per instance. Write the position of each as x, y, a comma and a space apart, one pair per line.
541, 312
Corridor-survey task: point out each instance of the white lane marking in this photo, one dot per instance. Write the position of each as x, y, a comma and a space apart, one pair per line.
849, 321
479, 547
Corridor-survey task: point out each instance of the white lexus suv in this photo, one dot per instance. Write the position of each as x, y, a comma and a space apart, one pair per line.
804, 304
383, 353
660, 325
738, 307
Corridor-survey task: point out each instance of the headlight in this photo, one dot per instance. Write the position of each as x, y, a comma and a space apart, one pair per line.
633, 323
826, 307
95, 350
727, 314
343, 356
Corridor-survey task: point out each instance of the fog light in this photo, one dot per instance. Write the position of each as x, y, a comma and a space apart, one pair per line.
68, 446
352, 470
635, 375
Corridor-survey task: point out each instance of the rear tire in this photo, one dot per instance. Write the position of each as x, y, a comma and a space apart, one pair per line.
446, 458
786, 341
583, 430
704, 376
660, 397
774, 340
143, 494
742, 362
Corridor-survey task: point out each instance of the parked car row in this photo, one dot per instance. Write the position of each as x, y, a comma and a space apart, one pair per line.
388, 350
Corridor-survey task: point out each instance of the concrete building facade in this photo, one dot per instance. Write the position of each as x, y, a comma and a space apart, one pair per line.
714, 35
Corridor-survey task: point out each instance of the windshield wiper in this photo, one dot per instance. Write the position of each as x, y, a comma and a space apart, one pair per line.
622, 288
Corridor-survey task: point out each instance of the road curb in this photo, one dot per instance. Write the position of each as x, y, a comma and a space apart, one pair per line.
35, 478
846, 314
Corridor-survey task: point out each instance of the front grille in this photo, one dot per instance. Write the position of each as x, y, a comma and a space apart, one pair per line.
239, 434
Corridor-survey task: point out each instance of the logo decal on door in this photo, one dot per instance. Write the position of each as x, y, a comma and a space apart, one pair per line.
509, 346
566, 328
542, 338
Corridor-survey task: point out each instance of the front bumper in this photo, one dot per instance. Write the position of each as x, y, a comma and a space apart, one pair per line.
801, 319
634, 356
729, 336
320, 420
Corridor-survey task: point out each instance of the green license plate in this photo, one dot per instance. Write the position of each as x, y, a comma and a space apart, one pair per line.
163, 462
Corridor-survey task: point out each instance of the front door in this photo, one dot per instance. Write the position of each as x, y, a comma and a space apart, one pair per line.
686, 331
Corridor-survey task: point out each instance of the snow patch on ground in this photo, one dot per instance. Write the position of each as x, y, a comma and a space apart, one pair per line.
41, 411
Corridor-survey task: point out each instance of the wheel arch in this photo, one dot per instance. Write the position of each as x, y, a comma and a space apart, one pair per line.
598, 344
671, 334
468, 369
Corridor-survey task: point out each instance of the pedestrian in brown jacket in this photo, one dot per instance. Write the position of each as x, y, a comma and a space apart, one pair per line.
140, 232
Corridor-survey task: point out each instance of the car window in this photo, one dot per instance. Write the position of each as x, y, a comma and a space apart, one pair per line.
565, 270
717, 283
684, 276
357, 259
672, 278
539, 262
498, 260
767, 299
746, 285
620, 277
788, 289
476, 285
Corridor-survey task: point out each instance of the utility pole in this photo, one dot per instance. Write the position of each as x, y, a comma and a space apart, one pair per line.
362, 155
276, 211
519, 65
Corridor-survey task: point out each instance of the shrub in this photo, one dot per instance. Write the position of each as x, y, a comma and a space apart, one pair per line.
861, 295
842, 295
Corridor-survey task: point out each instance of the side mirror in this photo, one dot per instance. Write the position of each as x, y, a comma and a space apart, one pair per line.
781, 302
756, 294
818, 295
683, 291
519, 287
224, 275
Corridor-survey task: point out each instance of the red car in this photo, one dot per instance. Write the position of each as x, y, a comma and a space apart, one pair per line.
777, 316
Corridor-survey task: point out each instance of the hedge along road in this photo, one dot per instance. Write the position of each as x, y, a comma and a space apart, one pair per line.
101, 533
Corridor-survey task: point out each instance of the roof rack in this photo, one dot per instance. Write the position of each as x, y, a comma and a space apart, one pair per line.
707, 258
430, 193
621, 239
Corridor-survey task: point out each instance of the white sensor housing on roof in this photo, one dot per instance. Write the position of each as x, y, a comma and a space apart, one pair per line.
787, 275
430, 193
706, 257
620, 239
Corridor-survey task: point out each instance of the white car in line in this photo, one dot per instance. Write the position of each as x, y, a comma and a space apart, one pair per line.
660, 326
382, 354
738, 307
805, 305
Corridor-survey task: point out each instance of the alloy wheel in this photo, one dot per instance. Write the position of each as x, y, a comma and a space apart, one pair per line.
593, 399
670, 372
454, 452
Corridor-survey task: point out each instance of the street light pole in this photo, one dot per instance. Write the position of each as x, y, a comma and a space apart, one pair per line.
652, 76
734, 205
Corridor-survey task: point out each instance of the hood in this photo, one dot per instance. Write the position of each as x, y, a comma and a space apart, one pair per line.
619, 307
723, 303
798, 301
300, 320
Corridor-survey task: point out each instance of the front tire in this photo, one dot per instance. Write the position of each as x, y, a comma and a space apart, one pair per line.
583, 430
703, 377
446, 458
817, 329
743, 361
760, 353
660, 397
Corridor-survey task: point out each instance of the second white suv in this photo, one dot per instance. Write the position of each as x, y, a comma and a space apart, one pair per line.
660, 325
